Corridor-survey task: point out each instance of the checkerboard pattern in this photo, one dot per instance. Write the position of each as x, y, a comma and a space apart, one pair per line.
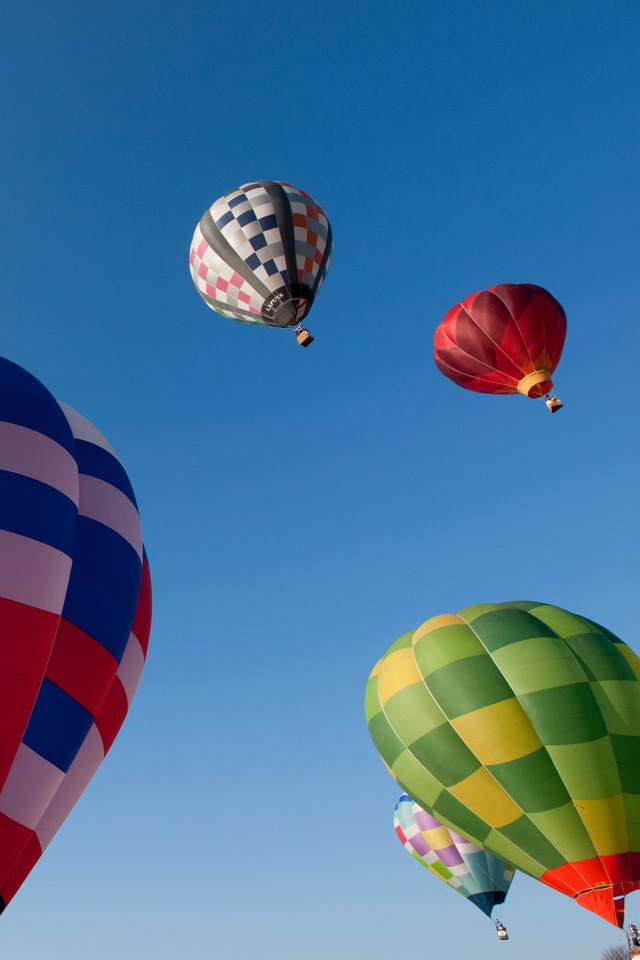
518, 725
267, 257
495, 338
471, 871
75, 600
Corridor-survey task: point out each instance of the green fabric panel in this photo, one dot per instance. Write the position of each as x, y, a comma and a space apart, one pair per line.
416, 781
388, 745
600, 659
446, 645
412, 712
504, 849
562, 622
632, 811
588, 770
468, 685
501, 628
524, 833
440, 869
401, 643
565, 830
469, 614
532, 781
449, 809
538, 664
526, 605
371, 699
445, 755
619, 702
568, 714
627, 754
604, 630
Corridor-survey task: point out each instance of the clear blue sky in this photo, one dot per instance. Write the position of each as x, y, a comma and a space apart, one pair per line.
302, 509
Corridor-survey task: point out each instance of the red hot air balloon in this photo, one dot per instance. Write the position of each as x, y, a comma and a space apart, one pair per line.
507, 339
75, 608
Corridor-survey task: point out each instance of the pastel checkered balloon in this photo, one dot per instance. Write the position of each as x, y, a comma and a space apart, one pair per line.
518, 726
467, 868
261, 253
75, 603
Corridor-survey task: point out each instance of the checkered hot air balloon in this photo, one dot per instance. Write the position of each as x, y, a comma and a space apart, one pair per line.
467, 868
75, 603
507, 339
261, 253
518, 726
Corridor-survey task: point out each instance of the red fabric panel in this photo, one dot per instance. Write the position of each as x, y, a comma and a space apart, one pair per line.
602, 903
26, 637
13, 837
81, 666
112, 714
23, 867
17, 696
142, 620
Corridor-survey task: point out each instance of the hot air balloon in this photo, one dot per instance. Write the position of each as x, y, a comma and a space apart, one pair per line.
518, 725
75, 600
261, 253
507, 339
479, 877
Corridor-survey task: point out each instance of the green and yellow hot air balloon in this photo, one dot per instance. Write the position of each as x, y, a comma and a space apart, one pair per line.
518, 725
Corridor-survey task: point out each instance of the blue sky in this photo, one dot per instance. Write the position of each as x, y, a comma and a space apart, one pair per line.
302, 509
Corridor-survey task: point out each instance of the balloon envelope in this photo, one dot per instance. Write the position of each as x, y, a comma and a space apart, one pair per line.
480, 878
507, 339
518, 725
261, 253
75, 601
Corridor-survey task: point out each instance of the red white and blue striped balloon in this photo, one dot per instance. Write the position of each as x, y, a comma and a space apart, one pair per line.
75, 603
471, 871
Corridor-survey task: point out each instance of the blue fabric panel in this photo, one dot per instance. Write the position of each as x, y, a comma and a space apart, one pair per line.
270, 267
486, 901
97, 462
236, 200
258, 242
25, 401
38, 511
270, 222
224, 219
247, 217
104, 585
58, 726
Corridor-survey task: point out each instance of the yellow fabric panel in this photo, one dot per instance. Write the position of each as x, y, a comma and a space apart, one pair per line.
498, 733
631, 658
486, 798
444, 620
438, 838
397, 671
606, 824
